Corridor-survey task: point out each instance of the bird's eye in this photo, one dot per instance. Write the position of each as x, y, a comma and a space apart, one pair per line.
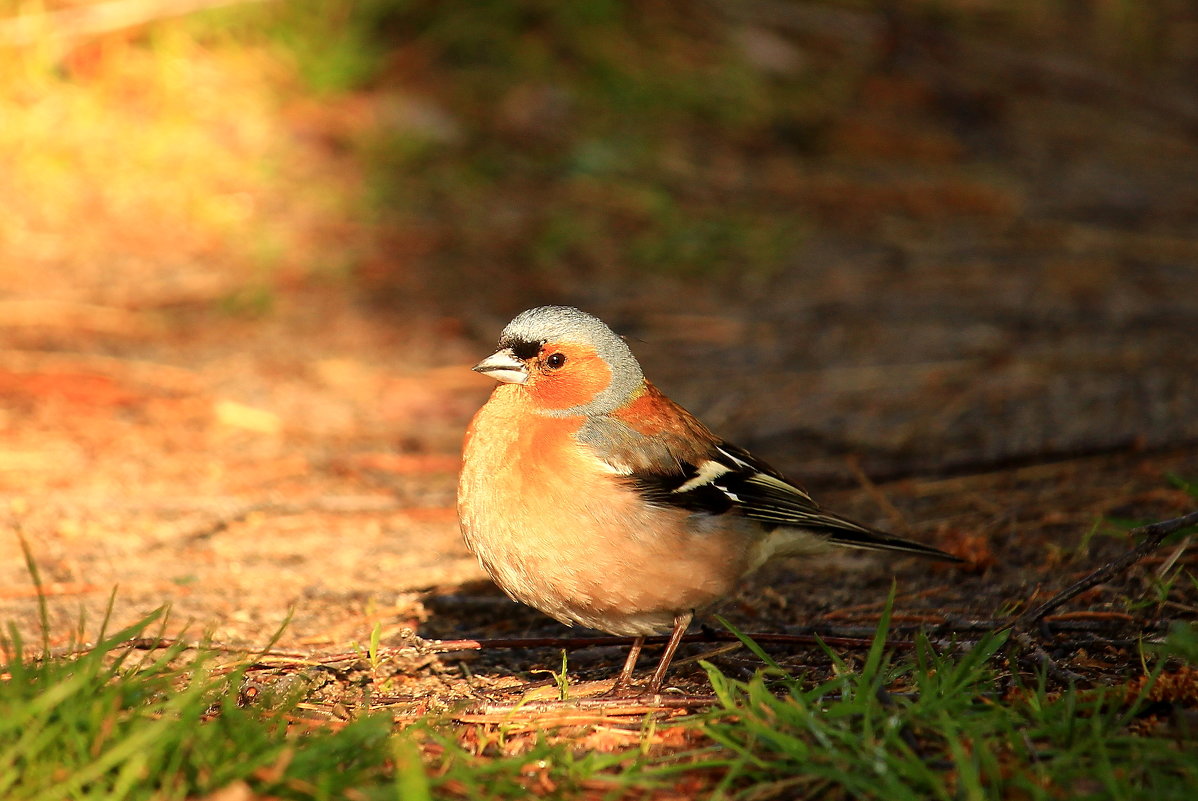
555, 361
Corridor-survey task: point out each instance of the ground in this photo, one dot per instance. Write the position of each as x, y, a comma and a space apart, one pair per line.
262, 468
990, 351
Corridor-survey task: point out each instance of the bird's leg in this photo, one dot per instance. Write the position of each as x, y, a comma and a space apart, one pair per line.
680, 624
625, 676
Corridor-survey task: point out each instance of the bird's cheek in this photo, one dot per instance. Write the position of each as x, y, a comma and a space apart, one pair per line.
578, 385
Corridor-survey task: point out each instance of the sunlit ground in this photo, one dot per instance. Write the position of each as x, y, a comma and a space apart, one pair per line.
158, 167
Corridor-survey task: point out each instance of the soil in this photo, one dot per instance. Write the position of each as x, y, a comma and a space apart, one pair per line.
261, 472
1001, 365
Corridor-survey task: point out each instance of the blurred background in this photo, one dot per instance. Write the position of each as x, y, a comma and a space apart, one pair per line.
251, 248
933, 233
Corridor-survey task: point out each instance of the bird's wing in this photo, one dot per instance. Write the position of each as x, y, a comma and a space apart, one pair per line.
671, 459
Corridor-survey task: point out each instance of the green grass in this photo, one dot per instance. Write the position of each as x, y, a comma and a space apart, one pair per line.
959, 728
113, 723
111, 726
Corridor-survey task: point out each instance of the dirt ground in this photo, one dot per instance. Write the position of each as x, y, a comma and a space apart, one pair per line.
992, 352
247, 469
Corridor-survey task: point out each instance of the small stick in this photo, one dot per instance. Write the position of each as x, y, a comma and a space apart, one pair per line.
1154, 534
608, 706
1061, 674
1172, 558
445, 646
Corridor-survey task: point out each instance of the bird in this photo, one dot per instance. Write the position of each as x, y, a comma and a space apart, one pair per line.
589, 495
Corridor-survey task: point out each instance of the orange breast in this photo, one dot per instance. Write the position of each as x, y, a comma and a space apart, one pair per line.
557, 530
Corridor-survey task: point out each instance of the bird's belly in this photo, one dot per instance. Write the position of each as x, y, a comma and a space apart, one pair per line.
622, 581
607, 562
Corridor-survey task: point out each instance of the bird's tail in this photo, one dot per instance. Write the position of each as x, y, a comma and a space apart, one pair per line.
847, 534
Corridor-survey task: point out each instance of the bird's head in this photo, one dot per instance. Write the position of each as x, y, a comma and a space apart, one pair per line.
569, 362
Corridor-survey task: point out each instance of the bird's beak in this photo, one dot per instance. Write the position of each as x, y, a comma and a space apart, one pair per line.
503, 366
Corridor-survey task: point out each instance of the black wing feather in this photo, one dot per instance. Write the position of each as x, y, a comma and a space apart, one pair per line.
733, 481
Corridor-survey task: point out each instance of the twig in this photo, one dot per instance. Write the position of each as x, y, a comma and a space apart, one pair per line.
1063, 675
234, 512
1154, 534
897, 519
1172, 558
870, 606
447, 646
1077, 622
1089, 614
1089, 622
609, 706
162, 643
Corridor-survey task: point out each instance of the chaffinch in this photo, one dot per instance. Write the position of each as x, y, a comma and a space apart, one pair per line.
588, 494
